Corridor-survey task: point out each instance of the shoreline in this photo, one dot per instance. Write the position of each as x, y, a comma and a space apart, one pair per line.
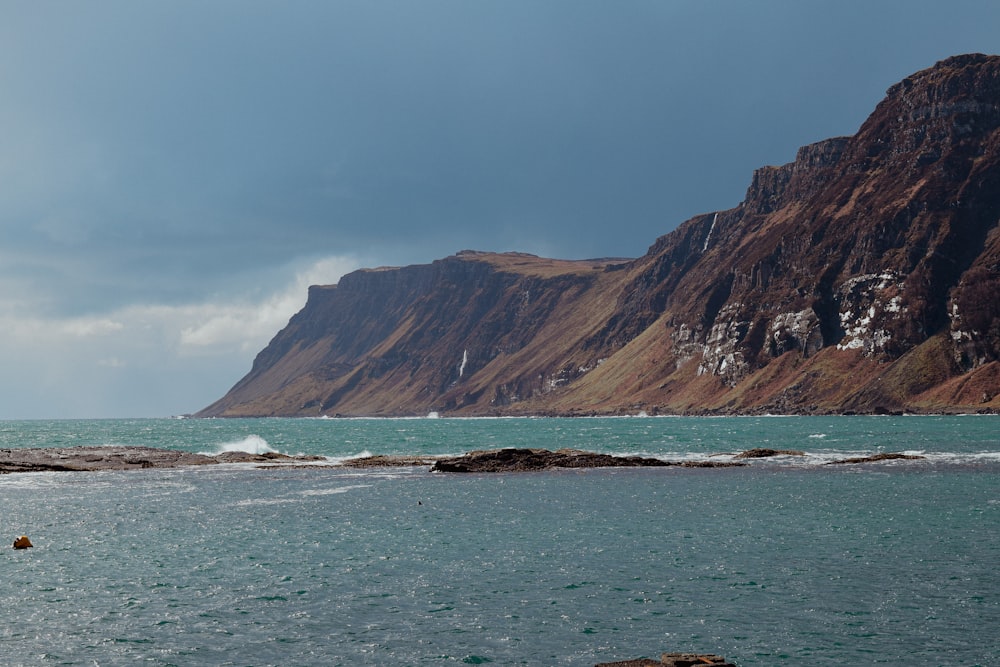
89, 458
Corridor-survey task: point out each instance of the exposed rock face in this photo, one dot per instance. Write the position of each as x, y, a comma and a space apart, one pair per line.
862, 277
471, 333
526, 460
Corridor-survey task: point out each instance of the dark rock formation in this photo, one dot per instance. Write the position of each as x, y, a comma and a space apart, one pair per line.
70, 459
526, 460
79, 459
388, 461
762, 453
266, 457
673, 660
891, 456
861, 277
521, 460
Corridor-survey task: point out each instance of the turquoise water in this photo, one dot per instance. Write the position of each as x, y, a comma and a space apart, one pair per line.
785, 561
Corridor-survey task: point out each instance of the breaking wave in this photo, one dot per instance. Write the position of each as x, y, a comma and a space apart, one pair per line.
252, 444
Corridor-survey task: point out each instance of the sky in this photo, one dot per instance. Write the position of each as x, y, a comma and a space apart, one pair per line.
174, 175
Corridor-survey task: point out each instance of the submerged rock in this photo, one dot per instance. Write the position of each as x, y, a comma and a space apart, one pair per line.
762, 453
266, 457
673, 660
890, 456
389, 461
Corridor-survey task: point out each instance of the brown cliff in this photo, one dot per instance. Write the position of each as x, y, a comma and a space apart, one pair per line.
862, 277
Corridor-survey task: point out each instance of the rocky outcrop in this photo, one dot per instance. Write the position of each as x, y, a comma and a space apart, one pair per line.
523, 460
389, 461
860, 277
79, 459
878, 458
764, 453
526, 460
673, 660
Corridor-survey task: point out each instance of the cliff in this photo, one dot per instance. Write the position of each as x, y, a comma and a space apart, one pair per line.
862, 277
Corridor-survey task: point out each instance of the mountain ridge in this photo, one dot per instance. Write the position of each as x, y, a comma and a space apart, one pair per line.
861, 277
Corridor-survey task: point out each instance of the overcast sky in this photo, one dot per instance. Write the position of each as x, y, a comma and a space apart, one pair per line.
173, 175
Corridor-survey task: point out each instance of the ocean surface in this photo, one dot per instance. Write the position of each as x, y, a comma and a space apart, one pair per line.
787, 561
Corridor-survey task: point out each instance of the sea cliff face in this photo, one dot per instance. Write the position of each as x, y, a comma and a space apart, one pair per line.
862, 277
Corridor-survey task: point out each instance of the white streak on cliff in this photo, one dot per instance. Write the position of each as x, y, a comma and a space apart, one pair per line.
465, 360
708, 236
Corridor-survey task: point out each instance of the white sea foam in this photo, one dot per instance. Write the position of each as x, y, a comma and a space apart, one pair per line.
252, 444
822, 457
337, 460
334, 490
248, 502
985, 456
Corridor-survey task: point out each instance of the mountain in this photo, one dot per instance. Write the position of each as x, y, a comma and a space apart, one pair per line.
864, 277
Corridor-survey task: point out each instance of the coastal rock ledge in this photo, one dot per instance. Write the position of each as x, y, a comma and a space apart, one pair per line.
90, 458
87, 458
525, 460
673, 660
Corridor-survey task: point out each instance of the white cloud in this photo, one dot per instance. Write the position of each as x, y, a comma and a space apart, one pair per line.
251, 325
143, 360
86, 326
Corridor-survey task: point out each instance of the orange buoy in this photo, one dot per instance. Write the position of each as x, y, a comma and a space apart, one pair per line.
23, 543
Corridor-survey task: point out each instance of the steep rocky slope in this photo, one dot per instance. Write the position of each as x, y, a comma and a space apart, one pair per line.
862, 277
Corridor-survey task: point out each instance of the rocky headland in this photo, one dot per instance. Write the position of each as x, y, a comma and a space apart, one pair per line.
862, 277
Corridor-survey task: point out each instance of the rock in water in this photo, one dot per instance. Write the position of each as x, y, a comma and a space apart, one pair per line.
23, 543
762, 453
673, 660
888, 456
691, 659
522, 460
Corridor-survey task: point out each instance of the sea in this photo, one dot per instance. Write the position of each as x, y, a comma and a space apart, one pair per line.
785, 561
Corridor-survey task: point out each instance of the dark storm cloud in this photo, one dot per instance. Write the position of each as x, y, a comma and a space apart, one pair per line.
177, 143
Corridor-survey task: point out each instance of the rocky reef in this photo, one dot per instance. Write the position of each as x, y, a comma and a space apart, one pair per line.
79, 459
510, 459
525, 460
859, 278
673, 660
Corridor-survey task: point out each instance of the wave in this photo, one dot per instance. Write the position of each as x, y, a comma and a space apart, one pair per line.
334, 490
252, 444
